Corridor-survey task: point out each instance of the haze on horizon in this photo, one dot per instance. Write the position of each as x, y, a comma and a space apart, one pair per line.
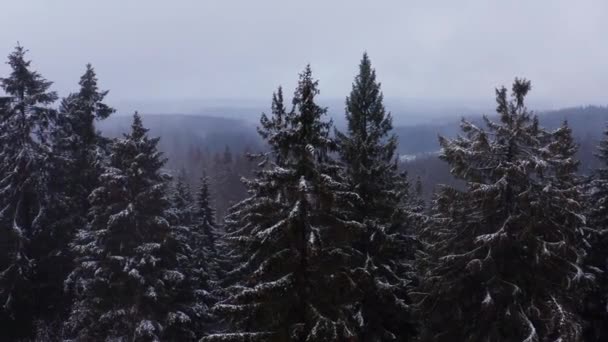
432, 53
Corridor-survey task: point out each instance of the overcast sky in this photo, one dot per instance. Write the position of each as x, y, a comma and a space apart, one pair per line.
446, 50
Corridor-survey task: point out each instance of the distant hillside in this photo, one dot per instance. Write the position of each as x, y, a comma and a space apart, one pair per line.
194, 139
213, 132
180, 134
587, 124
419, 143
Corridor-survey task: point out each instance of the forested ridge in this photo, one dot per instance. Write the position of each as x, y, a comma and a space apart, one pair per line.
319, 236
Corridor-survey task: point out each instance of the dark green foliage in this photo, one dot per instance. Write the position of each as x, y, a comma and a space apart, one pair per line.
97, 244
293, 237
76, 138
208, 263
204, 209
24, 122
207, 233
504, 256
75, 164
596, 300
274, 128
196, 230
127, 282
182, 202
368, 153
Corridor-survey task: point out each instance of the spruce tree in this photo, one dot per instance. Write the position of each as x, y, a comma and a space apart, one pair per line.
295, 276
78, 154
208, 264
24, 121
197, 259
503, 256
182, 202
273, 128
368, 151
127, 283
77, 142
596, 300
205, 225
561, 153
227, 187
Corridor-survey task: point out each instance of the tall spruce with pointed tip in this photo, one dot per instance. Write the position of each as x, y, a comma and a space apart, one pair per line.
24, 122
196, 258
78, 147
203, 242
206, 229
79, 137
204, 208
367, 151
596, 301
182, 202
562, 155
273, 128
126, 284
295, 279
508, 248
78, 154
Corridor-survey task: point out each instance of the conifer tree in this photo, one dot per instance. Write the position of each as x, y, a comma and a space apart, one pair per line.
294, 235
504, 255
273, 128
596, 301
24, 121
182, 202
78, 142
78, 154
227, 187
196, 258
367, 150
205, 219
208, 263
126, 282
562, 156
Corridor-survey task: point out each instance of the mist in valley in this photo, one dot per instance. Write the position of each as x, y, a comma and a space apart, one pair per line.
303, 171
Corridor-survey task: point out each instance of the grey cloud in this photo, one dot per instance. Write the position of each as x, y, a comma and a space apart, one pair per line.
423, 50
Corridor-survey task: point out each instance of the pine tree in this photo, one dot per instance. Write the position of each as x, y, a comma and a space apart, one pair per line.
24, 121
368, 153
126, 283
504, 255
596, 300
294, 236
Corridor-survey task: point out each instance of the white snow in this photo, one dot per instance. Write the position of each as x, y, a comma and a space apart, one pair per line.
488, 299
145, 328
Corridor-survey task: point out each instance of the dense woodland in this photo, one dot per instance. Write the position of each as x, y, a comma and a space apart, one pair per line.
320, 236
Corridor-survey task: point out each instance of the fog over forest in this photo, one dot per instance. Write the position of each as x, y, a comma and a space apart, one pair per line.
185, 54
312, 171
